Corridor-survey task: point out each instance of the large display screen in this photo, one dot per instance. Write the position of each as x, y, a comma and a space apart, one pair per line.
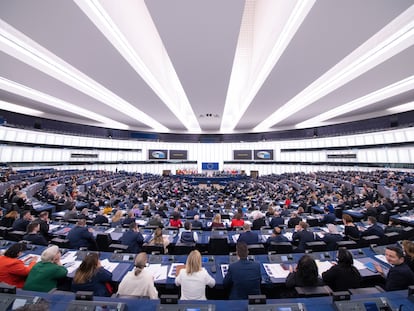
242, 154
178, 154
156, 154
264, 154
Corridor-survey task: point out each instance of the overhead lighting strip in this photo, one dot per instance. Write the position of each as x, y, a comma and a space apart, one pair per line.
370, 99
26, 50
19, 109
169, 90
242, 90
399, 35
25, 91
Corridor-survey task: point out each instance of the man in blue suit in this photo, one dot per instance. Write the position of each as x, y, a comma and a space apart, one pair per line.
81, 236
133, 239
373, 229
248, 236
329, 217
301, 236
243, 277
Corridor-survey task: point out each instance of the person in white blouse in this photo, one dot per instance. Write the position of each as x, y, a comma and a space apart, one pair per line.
140, 281
194, 278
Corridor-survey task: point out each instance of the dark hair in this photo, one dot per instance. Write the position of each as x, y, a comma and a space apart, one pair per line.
347, 218
14, 250
397, 250
277, 230
345, 257
372, 219
32, 225
307, 270
187, 225
133, 225
241, 250
87, 269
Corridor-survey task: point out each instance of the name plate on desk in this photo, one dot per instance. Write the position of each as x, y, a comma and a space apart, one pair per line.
278, 307
123, 257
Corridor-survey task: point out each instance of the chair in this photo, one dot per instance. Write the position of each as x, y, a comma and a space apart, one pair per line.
256, 249
312, 222
218, 246
118, 248
316, 246
370, 239
153, 249
15, 235
281, 247
103, 240
347, 244
313, 291
408, 233
392, 237
366, 290
62, 243
183, 248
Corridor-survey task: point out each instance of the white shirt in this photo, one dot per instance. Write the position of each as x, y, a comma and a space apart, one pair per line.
140, 285
193, 286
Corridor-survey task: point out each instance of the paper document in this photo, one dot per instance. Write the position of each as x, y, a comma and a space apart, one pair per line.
110, 230
158, 271
68, 257
275, 270
359, 265
323, 266
382, 258
35, 258
110, 266
235, 237
72, 266
224, 269
173, 270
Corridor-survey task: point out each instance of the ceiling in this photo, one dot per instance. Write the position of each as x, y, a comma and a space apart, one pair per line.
207, 66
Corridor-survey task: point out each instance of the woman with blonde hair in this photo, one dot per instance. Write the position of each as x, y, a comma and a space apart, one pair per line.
159, 239
117, 218
140, 281
194, 278
91, 276
217, 223
408, 248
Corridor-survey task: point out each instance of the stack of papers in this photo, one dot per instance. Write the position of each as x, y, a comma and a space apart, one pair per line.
110, 230
68, 257
382, 258
275, 270
235, 237
158, 271
110, 266
323, 266
359, 265
173, 270
72, 266
224, 269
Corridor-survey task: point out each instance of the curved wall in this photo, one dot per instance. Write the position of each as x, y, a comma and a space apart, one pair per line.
34, 149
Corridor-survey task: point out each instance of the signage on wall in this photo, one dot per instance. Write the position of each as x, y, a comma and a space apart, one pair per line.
210, 166
242, 154
178, 154
264, 154
156, 154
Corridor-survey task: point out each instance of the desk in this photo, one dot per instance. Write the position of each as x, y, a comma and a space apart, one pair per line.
357, 213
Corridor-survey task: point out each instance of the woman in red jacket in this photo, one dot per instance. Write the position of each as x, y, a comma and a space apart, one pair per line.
13, 271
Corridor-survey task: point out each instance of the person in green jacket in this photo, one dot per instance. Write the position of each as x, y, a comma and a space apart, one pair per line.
45, 274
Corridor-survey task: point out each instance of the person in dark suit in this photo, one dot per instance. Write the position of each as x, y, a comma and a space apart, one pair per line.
81, 236
259, 221
343, 275
44, 224
248, 236
24, 220
188, 236
301, 236
277, 236
276, 220
373, 229
100, 219
33, 235
400, 276
332, 237
328, 217
294, 220
243, 277
133, 239
196, 223
306, 273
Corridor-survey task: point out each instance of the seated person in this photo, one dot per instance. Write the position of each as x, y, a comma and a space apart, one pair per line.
44, 224
155, 221
196, 223
351, 231
237, 220
373, 229
249, 237
14, 271
332, 237
160, 240
8, 220
301, 236
187, 236
258, 220
276, 220
194, 278
217, 223
343, 275
243, 277
91, 276
277, 236
117, 219
72, 213
133, 238
129, 219
81, 236
100, 219
33, 235
408, 248
45, 275
139, 282
175, 221
24, 220
305, 274
400, 276
329, 217
294, 220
